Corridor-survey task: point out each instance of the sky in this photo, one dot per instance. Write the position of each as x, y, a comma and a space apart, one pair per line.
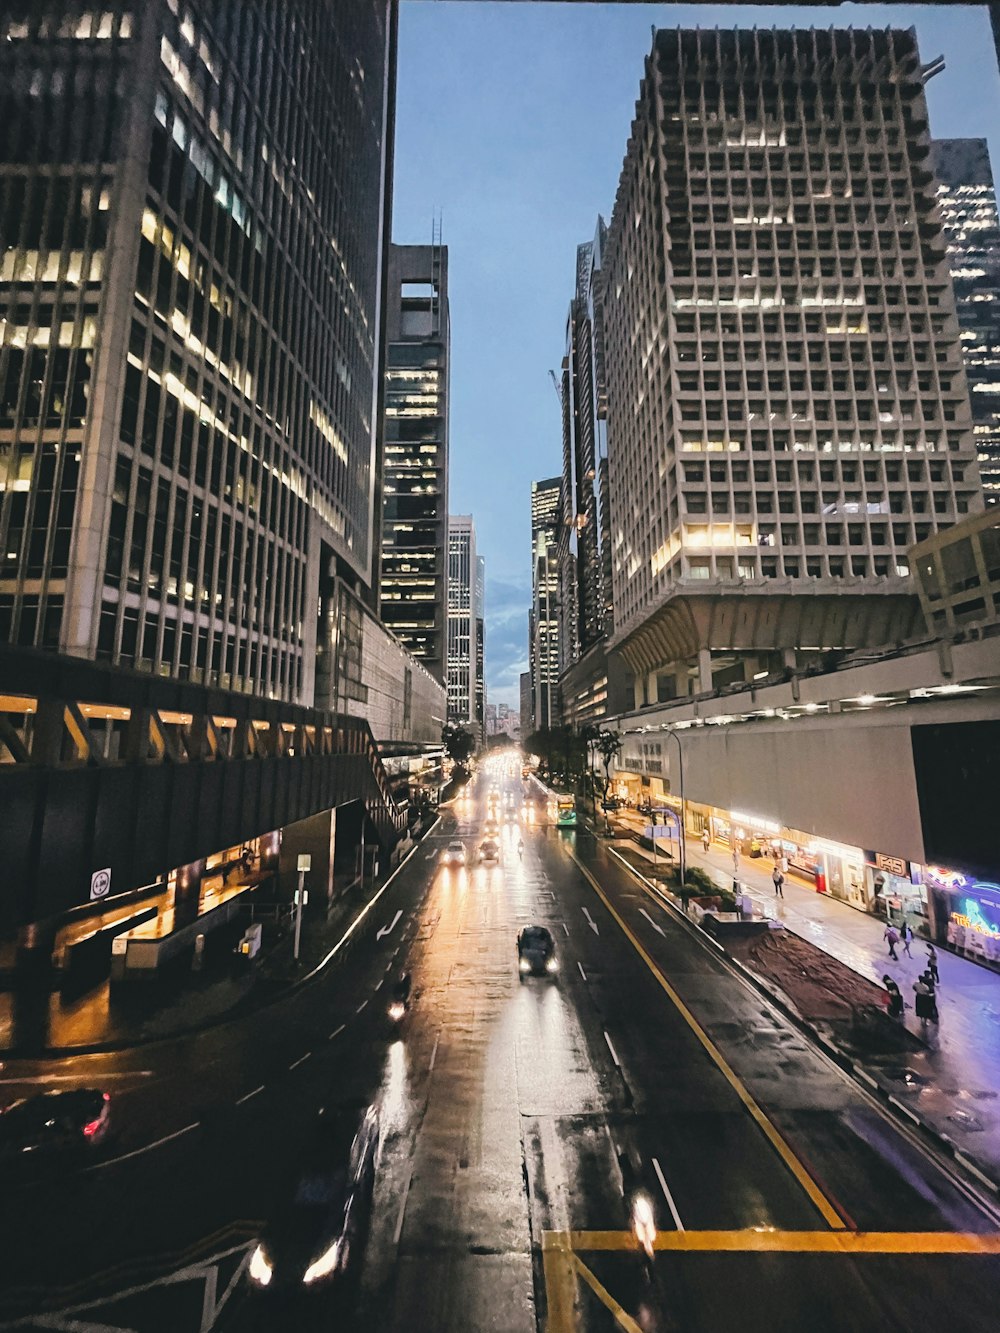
511, 126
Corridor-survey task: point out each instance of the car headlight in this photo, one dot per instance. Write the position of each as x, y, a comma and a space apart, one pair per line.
551, 965
324, 1265
260, 1267
523, 965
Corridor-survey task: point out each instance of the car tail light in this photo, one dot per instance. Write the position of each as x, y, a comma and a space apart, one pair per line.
92, 1126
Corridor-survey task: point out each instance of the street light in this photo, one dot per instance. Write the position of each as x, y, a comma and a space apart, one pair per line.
682, 847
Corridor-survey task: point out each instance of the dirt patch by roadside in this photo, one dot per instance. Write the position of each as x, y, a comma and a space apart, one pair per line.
819, 986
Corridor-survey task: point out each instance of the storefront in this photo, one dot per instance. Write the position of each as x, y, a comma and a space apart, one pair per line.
898, 893
966, 913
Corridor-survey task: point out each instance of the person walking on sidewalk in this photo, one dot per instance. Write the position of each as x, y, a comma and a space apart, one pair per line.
706, 838
779, 880
891, 937
906, 935
895, 1006
932, 966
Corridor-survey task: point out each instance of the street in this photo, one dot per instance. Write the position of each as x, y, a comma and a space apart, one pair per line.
784, 1199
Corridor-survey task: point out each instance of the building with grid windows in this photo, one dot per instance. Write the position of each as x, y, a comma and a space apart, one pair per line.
480, 682
412, 596
189, 274
584, 447
787, 405
546, 631
968, 206
462, 615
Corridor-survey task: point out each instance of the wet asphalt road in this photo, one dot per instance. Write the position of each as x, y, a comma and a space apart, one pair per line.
507, 1106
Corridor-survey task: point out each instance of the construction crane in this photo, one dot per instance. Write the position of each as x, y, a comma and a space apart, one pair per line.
556, 385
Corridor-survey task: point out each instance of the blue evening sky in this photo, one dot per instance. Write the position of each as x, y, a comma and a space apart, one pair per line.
512, 121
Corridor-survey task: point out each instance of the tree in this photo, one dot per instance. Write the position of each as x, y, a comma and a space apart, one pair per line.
459, 744
608, 745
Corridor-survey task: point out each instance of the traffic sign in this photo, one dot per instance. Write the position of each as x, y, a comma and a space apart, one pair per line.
100, 883
305, 861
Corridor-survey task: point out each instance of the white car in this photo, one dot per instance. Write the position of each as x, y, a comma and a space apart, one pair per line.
453, 854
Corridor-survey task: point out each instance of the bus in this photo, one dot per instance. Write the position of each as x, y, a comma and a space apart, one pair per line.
566, 812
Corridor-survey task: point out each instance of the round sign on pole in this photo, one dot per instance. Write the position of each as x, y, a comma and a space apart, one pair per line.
100, 883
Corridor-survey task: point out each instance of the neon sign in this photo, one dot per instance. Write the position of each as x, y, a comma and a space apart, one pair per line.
976, 914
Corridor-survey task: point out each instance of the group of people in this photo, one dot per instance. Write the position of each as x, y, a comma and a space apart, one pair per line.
925, 986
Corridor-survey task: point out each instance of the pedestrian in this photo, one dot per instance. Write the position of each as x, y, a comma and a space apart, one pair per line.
906, 935
925, 1005
783, 863
778, 880
932, 966
895, 1005
891, 936
706, 838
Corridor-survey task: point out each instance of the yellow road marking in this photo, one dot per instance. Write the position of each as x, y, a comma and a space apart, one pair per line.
558, 1266
765, 1241
622, 1319
826, 1209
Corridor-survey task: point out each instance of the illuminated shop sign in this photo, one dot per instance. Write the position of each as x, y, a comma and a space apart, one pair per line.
892, 865
976, 902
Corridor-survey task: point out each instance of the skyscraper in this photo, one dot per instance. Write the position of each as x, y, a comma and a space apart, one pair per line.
462, 616
787, 405
546, 631
190, 279
412, 594
968, 204
584, 447
480, 682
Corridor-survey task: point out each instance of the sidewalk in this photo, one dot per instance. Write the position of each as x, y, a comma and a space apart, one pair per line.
954, 1082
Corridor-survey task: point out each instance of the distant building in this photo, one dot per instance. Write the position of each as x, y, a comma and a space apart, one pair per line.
414, 566
968, 205
462, 618
480, 663
527, 717
544, 654
787, 404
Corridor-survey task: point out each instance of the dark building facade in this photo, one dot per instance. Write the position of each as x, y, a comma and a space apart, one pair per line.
191, 229
414, 561
968, 206
546, 621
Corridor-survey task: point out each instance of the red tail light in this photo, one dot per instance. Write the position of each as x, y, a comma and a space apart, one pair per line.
92, 1126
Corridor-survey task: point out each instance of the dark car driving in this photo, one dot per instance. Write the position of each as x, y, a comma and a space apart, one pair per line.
53, 1126
316, 1239
536, 953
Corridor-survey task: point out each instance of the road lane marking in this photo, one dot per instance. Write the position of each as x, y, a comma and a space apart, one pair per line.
246, 1096
765, 1241
826, 1209
361, 1006
75, 1078
614, 1053
402, 1209
565, 929
620, 1316
582, 973
668, 1196
300, 1061
137, 1152
643, 912
336, 1032
590, 920
434, 1053
387, 930
559, 1269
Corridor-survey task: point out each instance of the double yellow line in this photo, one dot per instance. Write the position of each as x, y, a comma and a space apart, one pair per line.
823, 1205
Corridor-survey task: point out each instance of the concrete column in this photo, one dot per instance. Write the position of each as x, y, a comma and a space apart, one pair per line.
681, 682
187, 892
315, 835
704, 669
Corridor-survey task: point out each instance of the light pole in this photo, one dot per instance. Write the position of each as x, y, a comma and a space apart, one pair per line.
304, 864
682, 846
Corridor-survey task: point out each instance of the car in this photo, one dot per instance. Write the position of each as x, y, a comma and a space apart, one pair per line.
536, 953
491, 829
489, 851
453, 854
315, 1241
510, 817
54, 1126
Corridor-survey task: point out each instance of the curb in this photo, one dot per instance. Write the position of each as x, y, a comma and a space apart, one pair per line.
230, 1016
898, 1109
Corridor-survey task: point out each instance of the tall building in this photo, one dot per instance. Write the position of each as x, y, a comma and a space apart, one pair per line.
462, 617
968, 205
584, 448
527, 720
190, 289
480, 682
414, 566
546, 630
787, 405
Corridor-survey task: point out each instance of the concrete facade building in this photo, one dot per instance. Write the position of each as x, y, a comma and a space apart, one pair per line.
527, 716
187, 454
787, 404
968, 206
414, 562
479, 708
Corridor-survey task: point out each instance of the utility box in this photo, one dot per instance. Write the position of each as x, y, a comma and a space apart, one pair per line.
249, 945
